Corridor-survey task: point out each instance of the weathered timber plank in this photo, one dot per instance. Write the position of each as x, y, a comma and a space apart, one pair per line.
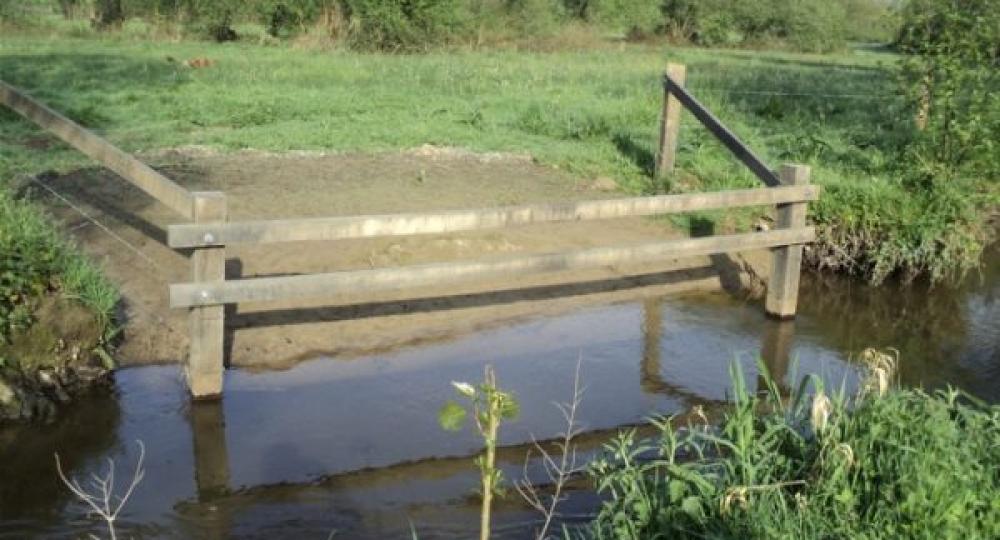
339, 228
319, 285
131, 169
205, 367
721, 132
786, 262
670, 122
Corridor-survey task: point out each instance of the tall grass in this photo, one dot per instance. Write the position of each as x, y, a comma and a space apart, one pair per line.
886, 463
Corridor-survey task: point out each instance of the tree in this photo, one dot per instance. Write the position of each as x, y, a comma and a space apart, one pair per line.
952, 80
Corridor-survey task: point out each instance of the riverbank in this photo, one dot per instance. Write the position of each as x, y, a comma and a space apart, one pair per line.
56, 316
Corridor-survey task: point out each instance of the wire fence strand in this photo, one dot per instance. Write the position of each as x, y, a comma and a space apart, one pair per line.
131, 306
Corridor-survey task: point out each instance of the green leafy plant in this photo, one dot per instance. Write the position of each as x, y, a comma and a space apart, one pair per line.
489, 406
881, 463
951, 78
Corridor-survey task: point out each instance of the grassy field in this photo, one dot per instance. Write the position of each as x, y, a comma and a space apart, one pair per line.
592, 112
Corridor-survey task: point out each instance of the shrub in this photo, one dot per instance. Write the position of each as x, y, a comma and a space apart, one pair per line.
533, 18
952, 80
870, 21
808, 25
394, 25
108, 13
283, 18
632, 17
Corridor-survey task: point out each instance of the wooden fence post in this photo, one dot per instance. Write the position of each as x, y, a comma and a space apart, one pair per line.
211, 459
783, 286
670, 122
205, 360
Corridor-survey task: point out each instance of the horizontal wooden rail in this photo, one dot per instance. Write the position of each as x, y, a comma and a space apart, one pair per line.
721, 132
138, 173
339, 228
319, 285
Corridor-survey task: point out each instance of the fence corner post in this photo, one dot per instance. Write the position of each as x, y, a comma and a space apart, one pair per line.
670, 122
205, 366
786, 262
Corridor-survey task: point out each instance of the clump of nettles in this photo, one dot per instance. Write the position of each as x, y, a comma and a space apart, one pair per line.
883, 463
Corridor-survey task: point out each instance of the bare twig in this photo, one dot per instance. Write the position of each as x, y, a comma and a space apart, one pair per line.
559, 471
102, 499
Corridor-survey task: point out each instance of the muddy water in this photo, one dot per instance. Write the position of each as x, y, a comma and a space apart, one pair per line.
352, 447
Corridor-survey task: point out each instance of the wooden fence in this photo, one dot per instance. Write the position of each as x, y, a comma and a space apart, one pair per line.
210, 232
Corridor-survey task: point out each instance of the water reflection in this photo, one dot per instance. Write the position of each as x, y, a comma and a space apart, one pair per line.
778, 339
211, 458
945, 334
30, 490
353, 446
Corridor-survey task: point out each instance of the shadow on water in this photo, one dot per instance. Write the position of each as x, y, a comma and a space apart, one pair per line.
636, 152
30, 489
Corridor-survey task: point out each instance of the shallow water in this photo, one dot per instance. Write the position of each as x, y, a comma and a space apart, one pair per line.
352, 447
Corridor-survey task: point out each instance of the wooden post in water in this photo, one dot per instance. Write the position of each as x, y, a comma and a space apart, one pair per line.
205, 359
776, 352
211, 459
783, 286
670, 122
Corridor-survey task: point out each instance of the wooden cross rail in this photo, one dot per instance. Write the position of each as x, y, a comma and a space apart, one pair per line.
671, 121
783, 284
324, 285
210, 233
132, 170
340, 228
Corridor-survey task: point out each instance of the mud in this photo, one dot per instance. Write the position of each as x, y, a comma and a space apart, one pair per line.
58, 360
130, 244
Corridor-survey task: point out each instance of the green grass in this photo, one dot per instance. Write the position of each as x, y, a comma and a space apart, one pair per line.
903, 464
38, 261
592, 112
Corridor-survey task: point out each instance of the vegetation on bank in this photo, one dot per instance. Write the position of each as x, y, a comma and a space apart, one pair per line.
408, 25
37, 263
887, 463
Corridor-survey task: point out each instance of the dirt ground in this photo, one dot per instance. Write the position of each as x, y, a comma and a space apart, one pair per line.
130, 245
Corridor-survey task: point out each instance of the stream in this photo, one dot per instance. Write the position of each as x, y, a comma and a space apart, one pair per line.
351, 448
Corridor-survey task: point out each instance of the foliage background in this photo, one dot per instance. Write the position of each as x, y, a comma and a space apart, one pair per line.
407, 25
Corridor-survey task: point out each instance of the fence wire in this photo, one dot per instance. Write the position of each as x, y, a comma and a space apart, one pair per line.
118, 238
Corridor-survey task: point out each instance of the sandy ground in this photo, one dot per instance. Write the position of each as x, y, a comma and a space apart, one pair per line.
130, 245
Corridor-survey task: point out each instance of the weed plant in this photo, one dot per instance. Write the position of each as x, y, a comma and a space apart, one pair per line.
490, 406
886, 463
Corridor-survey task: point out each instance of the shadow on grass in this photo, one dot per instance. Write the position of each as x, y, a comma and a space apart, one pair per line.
636, 152
68, 83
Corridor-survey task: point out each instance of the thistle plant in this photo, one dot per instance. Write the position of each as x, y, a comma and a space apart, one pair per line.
490, 406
